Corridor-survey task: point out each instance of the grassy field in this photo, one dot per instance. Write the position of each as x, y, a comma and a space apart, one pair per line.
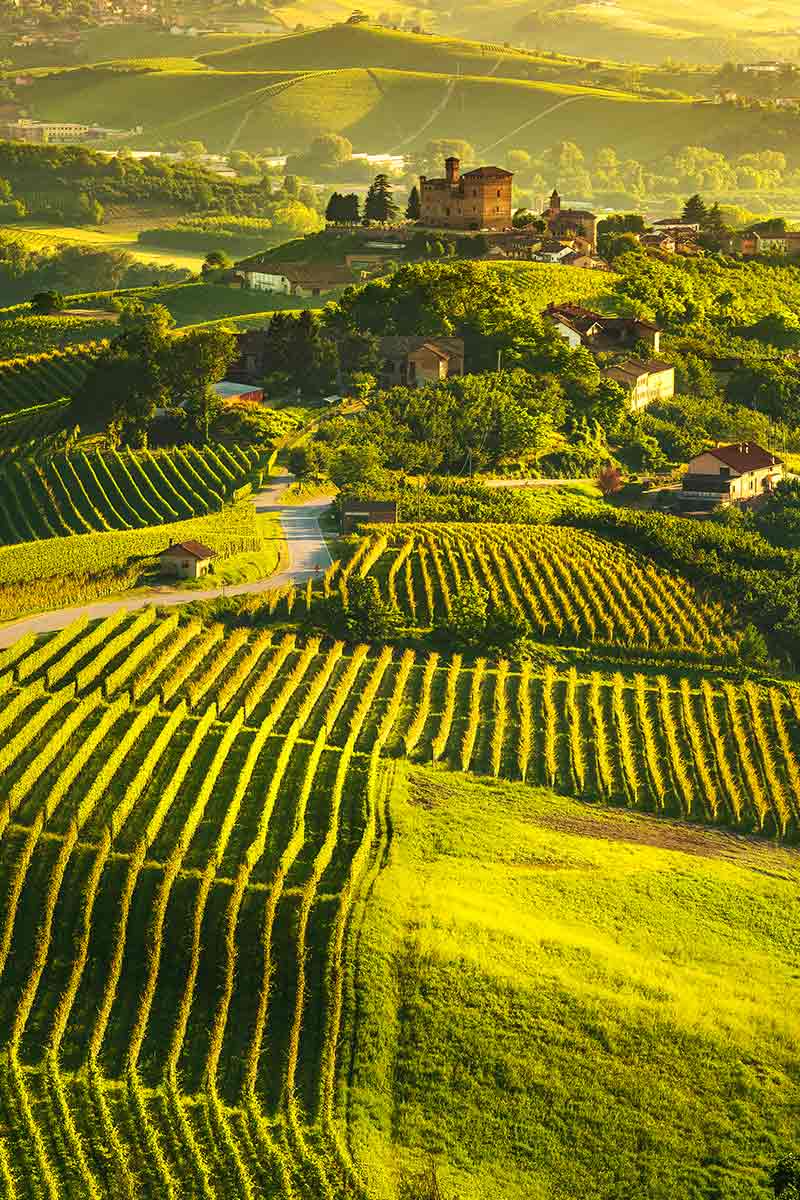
46, 237
220, 976
558, 1001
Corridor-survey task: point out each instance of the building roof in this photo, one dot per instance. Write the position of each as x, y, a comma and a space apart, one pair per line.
743, 456
194, 549
477, 172
634, 368
227, 390
583, 213
396, 347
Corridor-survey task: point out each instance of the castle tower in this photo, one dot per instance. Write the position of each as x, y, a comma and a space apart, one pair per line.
555, 202
453, 171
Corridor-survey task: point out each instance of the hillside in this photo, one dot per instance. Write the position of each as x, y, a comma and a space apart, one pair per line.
389, 110
244, 953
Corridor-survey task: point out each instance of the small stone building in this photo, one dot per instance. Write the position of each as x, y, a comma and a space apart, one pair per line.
186, 560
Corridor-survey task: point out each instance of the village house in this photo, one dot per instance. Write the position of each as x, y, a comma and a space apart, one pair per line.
236, 392
416, 361
646, 381
564, 223
293, 279
583, 327
735, 474
660, 241
681, 230
553, 251
478, 199
186, 560
753, 243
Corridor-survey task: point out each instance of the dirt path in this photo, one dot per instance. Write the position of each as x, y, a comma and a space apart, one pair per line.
308, 555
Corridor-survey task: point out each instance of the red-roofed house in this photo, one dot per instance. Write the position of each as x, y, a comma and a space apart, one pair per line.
732, 474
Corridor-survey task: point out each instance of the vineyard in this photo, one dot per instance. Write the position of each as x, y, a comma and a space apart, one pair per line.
189, 816
39, 379
569, 585
79, 492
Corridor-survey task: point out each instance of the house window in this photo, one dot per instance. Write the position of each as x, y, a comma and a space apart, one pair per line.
724, 472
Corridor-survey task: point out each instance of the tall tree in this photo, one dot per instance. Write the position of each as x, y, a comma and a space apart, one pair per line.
414, 207
695, 211
333, 212
379, 204
351, 209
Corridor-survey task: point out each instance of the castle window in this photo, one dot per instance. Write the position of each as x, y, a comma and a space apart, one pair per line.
498, 193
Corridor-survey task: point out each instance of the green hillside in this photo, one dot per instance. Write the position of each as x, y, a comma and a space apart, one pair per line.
382, 110
240, 956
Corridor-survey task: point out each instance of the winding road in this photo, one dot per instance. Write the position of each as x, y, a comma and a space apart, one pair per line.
308, 554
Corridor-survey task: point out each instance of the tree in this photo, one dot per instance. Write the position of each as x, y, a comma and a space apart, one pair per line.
360, 614
414, 206
333, 210
609, 481
695, 211
786, 1175
194, 361
352, 465
48, 302
216, 260
305, 463
351, 209
379, 204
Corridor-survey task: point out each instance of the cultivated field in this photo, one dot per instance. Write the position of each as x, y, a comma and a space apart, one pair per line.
79, 493
189, 818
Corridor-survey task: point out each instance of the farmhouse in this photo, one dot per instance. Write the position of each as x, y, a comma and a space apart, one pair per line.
732, 474
293, 279
566, 223
646, 382
479, 199
583, 327
186, 560
416, 361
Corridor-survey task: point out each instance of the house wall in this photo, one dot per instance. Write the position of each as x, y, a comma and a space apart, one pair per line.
262, 282
661, 385
184, 567
483, 204
571, 336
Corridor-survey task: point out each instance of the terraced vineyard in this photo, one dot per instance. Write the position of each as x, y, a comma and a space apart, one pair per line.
82, 492
40, 379
570, 585
189, 816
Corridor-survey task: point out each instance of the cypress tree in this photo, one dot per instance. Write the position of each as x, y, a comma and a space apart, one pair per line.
379, 204
414, 207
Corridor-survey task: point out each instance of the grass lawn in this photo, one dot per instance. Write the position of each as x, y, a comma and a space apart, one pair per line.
559, 1000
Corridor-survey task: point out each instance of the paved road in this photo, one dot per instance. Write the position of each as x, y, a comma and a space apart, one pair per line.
307, 554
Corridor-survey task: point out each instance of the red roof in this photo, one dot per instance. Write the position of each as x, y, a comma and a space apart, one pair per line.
195, 549
744, 456
487, 171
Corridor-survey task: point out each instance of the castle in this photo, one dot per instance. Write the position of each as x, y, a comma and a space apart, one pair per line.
479, 199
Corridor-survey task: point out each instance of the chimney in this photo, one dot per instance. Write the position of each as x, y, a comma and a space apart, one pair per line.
453, 170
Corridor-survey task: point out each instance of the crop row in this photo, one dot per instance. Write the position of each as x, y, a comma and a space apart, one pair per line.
71, 493
569, 585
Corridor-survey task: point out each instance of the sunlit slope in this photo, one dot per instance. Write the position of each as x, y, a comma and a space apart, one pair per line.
562, 1002
392, 110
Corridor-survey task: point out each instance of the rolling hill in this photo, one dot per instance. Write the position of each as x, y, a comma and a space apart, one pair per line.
390, 110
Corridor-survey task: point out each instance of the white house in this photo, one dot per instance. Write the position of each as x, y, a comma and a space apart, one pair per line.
732, 474
293, 279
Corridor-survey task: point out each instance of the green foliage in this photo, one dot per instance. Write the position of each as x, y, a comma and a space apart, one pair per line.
361, 613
